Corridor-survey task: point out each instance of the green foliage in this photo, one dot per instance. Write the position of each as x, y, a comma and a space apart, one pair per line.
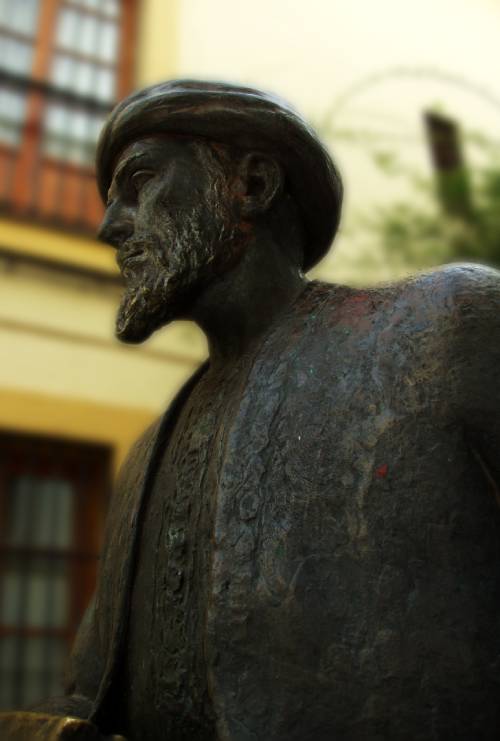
420, 232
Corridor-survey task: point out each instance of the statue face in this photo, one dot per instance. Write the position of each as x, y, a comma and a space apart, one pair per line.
169, 216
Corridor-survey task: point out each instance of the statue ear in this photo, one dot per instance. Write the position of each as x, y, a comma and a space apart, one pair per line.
260, 181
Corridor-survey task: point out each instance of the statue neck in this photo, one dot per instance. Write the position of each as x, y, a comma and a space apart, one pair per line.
237, 309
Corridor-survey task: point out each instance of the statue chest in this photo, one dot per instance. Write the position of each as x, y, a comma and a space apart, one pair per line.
309, 533
165, 664
347, 512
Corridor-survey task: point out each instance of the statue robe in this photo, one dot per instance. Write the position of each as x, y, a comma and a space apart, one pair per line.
356, 538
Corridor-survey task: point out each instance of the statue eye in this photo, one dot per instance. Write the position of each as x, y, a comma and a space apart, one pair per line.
140, 178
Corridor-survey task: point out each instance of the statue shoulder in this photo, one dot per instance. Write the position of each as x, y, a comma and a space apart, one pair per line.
463, 303
469, 304
459, 290
475, 290
453, 300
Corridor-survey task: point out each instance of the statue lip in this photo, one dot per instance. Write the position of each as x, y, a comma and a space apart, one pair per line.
124, 256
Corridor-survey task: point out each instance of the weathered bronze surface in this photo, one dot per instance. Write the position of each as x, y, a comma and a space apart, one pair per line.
26, 726
306, 547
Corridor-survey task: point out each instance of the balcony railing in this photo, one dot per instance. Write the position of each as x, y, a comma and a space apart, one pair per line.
47, 144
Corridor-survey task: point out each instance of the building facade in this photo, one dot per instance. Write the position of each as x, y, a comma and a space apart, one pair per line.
72, 399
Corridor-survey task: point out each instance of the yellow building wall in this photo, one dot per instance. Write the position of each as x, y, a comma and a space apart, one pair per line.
50, 415
57, 349
157, 51
62, 373
56, 246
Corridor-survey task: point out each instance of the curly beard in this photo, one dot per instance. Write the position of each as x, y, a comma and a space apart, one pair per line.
165, 270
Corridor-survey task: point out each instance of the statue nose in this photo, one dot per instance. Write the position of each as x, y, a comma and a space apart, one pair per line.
114, 230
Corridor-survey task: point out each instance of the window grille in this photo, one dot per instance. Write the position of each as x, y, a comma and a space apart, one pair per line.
63, 63
53, 496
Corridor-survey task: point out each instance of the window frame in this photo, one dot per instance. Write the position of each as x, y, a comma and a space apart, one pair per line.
26, 162
70, 459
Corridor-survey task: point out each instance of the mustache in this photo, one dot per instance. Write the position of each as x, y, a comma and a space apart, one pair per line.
138, 251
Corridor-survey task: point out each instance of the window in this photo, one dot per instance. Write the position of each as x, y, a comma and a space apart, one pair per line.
17, 39
18, 21
63, 63
53, 496
84, 62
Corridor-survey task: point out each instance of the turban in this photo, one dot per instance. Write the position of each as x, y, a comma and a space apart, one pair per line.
242, 116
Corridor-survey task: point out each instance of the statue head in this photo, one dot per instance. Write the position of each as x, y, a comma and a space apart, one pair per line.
188, 170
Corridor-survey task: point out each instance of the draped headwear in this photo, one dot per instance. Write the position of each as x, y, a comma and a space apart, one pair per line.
242, 116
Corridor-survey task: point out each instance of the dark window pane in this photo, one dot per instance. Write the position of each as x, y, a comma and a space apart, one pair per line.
45, 582
105, 85
15, 56
8, 651
10, 597
108, 41
67, 28
19, 15
110, 8
21, 505
76, 31
39, 512
62, 71
30, 670
71, 134
12, 114
84, 79
34, 592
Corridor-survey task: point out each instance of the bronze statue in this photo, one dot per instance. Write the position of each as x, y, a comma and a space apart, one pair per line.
306, 547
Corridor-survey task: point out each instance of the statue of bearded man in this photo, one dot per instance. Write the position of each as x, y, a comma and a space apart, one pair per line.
306, 547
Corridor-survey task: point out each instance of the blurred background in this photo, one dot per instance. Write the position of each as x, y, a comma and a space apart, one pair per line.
407, 97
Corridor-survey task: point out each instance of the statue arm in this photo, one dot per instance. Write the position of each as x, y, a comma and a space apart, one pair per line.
83, 673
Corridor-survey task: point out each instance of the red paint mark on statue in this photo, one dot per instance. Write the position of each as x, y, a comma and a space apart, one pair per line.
382, 471
356, 308
359, 296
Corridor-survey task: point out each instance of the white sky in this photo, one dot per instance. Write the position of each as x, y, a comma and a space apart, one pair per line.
313, 52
